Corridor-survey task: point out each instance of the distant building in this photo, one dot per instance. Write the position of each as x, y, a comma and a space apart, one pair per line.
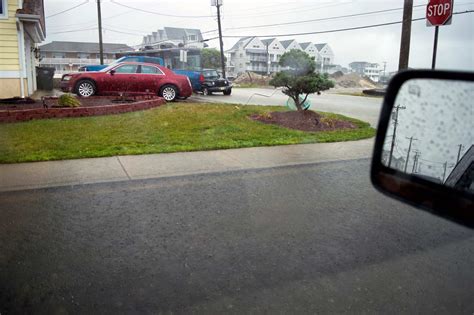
173, 37
253, 54
69, 56
367, 69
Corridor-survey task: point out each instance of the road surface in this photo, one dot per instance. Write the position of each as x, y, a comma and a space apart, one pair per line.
296, 239
364, 108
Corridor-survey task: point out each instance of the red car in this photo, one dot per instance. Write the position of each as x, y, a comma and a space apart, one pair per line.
130, 78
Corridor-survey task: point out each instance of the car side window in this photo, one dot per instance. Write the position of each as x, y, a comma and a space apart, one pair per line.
126, 69
151, 70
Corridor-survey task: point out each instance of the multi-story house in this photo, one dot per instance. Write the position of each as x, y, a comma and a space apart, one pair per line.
326, 55
22, 29
368, 69
311, 50
253, 54
70, 56
291, 44
173, 37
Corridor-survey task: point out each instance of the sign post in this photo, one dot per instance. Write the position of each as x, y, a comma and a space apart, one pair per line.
438, 12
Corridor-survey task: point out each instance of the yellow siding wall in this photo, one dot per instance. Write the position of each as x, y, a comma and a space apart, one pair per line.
9, 59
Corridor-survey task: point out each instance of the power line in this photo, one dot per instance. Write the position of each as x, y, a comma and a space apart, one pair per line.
161, 14
321, 19
341, 29
67, 10
78, 30
286, 11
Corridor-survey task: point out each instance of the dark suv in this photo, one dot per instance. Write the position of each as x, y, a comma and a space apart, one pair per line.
211, 82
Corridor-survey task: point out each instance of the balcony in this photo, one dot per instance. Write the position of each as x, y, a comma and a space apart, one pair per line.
73, 61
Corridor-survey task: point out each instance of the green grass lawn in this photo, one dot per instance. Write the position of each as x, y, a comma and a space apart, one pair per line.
171, 128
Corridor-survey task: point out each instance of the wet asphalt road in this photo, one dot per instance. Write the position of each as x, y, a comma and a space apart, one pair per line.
314, 238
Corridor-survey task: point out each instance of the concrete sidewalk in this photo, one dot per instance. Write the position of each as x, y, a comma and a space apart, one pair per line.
129, 167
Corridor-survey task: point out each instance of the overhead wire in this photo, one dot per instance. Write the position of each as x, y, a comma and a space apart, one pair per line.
160, 14
67, 10
340, 29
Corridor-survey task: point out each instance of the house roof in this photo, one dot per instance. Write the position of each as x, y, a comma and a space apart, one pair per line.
58, 46
245, 40
320, 46
174, 33
305, 45
286, 43
34, 7
268, 41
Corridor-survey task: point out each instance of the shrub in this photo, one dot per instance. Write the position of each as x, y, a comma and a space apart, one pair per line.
68, 100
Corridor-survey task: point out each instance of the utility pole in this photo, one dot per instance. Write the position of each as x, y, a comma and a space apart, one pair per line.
395, 123
445, 165
415, 161
406, 34
268, 60
101, 46
221, 43
408, 154
459, 153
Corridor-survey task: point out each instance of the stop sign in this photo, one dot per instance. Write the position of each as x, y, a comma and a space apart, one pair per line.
439, 12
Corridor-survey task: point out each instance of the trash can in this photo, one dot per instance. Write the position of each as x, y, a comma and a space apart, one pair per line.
44, 78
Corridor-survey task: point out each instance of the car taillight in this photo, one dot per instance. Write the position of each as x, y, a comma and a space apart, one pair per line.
201, 78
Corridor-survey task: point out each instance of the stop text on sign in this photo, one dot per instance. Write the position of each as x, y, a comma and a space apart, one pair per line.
439, 9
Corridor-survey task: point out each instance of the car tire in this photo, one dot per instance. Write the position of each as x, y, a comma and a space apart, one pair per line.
169, 92
85, 88
205, 92
228, 92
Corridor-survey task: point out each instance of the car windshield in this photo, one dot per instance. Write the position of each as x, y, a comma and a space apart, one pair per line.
233, 177
210, 74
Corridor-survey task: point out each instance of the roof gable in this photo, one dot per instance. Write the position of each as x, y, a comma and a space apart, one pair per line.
286, 43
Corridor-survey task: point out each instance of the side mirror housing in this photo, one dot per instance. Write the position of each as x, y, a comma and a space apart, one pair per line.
112, 72
424, 152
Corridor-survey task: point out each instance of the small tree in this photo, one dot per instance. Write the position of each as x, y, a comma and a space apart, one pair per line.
211, 58
299, 78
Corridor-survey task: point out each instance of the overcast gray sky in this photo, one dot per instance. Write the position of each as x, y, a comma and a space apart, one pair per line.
123, 25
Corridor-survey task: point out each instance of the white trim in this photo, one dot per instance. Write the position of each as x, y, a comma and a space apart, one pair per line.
21, 55
11, 74
4, 16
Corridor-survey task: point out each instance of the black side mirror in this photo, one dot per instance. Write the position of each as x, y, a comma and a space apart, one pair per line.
112, 72
424, 152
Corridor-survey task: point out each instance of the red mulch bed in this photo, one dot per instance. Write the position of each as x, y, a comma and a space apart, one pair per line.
85, 102
303, 120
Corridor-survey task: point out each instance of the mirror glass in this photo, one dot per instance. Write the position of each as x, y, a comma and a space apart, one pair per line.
431, 132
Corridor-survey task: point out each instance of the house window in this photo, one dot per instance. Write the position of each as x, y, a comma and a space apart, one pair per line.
59, 55
83, 56
241, 55
256, 46
3, 9
192, 37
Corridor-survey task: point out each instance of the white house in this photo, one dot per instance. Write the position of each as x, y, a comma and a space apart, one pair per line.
326, 54
275, 51
290, 44
171, 37
311, 50
253, 54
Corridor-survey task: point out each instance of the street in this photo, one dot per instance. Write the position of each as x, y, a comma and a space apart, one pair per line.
364, 108
311, 238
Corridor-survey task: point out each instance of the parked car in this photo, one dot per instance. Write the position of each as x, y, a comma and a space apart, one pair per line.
131, 78
146, 59
207, 81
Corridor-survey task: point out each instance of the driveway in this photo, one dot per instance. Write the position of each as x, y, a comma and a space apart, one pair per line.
364, 108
